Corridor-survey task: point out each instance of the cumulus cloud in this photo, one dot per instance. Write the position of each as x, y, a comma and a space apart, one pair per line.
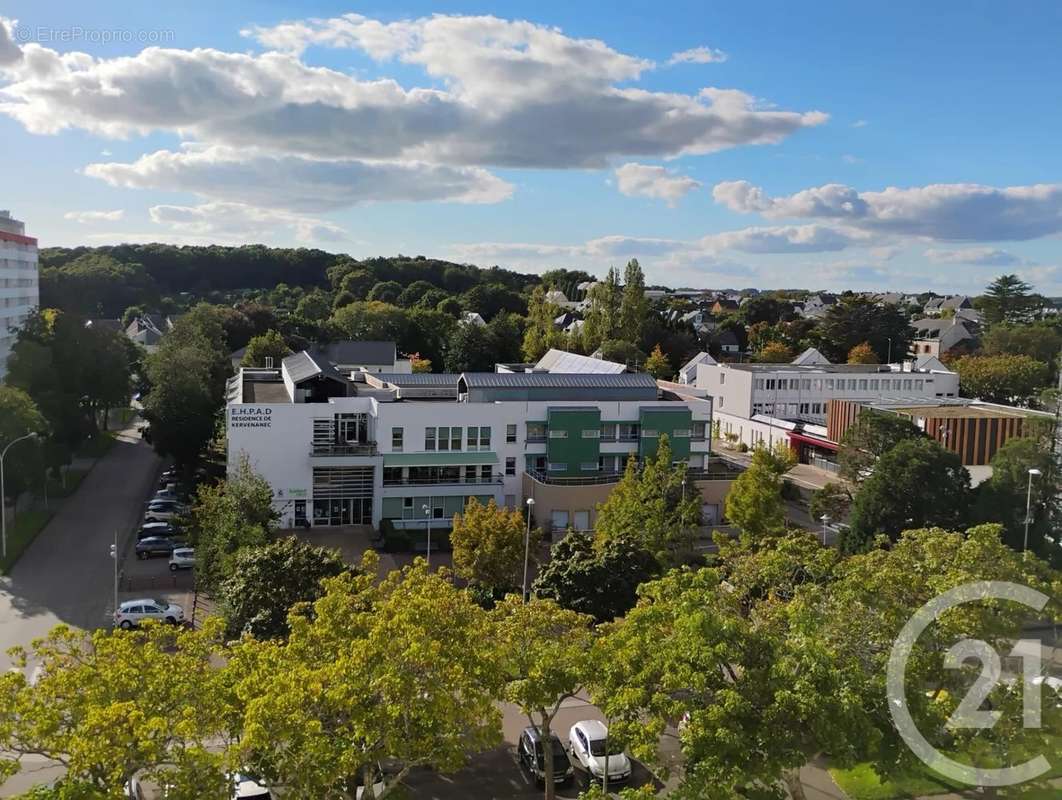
220, 221
976, 256
301, 184
948, 212
95, 216
514, 94
645, 180
698, 55
10, 53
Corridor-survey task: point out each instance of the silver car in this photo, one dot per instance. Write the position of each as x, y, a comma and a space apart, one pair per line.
133, 612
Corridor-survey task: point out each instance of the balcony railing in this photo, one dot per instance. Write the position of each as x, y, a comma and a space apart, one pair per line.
536, 439
339, 449
716, 472
459, 481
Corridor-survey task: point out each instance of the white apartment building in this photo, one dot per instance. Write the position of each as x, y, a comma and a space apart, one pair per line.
772, 403
349, 448
19, 284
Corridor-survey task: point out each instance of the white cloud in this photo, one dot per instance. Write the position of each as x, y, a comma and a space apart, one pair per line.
219, 221
947, 212
10, 53
848, 158
975, 256
860, 123
645, 180
95, 216
301, 184
513, 94
698, 55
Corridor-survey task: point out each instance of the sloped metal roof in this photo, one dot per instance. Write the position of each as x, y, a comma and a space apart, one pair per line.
418, 378
557, 380
562, 361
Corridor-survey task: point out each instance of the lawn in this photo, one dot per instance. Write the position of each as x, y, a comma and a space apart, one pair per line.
98, 446
862, 783
68, 485
19, 535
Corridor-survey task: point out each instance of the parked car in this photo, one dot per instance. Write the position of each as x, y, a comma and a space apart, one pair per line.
166, 494
245, 787
156, 546
132, 612
182, 558
162, 510
533, 757
588, 740
166, 529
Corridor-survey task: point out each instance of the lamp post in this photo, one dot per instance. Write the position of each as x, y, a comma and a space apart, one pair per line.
825, 521
114, 555
3, 501
427, 513
888, 360
527, 542
1033, 473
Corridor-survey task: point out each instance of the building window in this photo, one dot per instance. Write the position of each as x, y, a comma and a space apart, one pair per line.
478, 438
555, 466
510, 466
581, 520
485, 475
873, 384
396, 439
722, 378
680, 433
591, 433
805, 408
918, 385
805, 384
628, 431
449, 438
536, 432
558, 434
510, 501
470, 474
829, 384
700, 429
758, 383
559, 520
649, 433
770, 384
608, 431
429, 438
510, 434
588, 466
392, 475
907, 384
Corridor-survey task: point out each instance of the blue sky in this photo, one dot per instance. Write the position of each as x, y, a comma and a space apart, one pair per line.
826, 145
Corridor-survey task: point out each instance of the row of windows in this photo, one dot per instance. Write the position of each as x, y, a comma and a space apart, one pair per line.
483, 473
449, 438
477, 438
841, 384
17, 283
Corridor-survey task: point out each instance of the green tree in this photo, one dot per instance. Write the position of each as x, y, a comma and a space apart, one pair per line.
855, 320
870, 437
658, 366
116, 703
1039, 341
1008, 299
622, 352
234, 514
775, 353
544, 651
18, 416
371, 321
414, 292
266, 581
600, 581
314, 306
862, 353
754, 503
269, 345
1010, 379
765, 309
181, 406
540, 334
652, 506
916, 483
404, 668
451, 306
358, 283
634, 307
385, 292
470, 349
488, 545
1002, 498
832, 500
490, 299
604, 319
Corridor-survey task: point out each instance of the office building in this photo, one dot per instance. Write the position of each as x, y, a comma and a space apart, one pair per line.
342, 445
19, 287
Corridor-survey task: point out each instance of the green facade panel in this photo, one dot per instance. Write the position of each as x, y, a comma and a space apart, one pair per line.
573, 440
657, 421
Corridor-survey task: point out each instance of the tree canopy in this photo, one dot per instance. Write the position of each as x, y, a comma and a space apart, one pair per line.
1008, 379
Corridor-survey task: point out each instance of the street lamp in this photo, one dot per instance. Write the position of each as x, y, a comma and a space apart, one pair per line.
1033, 473
888, 360
527, 542
825, 521
427, 513
114, 555
3, 502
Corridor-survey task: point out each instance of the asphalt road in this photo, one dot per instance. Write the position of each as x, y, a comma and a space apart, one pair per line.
66, 574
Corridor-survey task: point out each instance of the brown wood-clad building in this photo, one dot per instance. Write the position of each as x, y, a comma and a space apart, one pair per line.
972, 431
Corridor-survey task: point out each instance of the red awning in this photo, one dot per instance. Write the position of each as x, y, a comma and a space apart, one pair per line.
805, 439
